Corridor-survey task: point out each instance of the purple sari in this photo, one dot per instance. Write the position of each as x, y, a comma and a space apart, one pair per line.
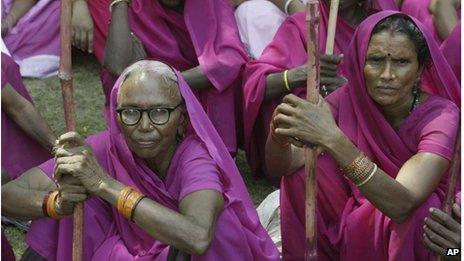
200, 162
206, 34
349, 227
19, 151
34, 42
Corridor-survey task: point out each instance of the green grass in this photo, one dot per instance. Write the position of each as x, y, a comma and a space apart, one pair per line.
89, 107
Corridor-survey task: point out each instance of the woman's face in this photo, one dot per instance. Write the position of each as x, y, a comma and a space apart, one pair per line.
391, 69
146, 90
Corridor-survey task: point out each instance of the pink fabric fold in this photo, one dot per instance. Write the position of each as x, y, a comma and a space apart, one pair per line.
349, 227
205, 34
451, 49
34, 42
201, 161
19, 151
286, 51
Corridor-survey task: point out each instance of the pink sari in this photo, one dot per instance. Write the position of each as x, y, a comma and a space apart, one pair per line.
286, 51
419, 9
19, 151
34, 42
201, 162
451, 49
205, 34
349, 227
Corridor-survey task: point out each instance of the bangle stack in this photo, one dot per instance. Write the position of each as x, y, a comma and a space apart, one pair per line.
361, 170
49, 205
128, 201
118, 1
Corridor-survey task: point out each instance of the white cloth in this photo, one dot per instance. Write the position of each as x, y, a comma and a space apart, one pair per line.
269, 216
258, 21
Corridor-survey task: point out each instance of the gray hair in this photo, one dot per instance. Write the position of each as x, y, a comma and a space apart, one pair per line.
165, 73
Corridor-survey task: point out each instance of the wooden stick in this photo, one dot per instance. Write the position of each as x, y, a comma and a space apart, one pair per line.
332, 26
67, 91
312, 94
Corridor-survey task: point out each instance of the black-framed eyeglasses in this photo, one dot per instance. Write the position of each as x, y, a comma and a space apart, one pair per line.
131, 116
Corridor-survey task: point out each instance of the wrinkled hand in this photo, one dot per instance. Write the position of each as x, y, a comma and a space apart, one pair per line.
307, 123
82, 26
442, 231
75, 158
433, 6
329, 77
71, 192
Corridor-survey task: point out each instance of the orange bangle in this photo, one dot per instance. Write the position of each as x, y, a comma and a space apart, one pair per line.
122, 198
129, 205
51, 209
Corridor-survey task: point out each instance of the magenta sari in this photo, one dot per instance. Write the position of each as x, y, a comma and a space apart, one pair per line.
349, 227
205, 34
19, 151
419, 9
451, 49
200, 162
34, 42
286, 51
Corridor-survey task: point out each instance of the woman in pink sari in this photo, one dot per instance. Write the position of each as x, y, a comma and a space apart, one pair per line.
27, 140
195, 202
387, 141
197, 37
264, 82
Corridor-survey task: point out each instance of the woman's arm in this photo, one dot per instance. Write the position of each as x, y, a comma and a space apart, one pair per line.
23, 113
122, 49
396, 198
18, 10
445, 17
294, 7
196, 79
190, 230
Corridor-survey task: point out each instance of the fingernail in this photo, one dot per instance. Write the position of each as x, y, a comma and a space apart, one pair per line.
425, 219
431, 210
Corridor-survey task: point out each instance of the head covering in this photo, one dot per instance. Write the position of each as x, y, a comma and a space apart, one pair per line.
19, 151
240, 221
286, 51
346, 219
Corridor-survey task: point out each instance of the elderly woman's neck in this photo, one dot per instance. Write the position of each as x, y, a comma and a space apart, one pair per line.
160, 164
395, 114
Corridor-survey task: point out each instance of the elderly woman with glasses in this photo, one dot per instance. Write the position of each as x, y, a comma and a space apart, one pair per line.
158, 184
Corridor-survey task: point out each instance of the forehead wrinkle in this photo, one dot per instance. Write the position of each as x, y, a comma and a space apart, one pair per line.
149, 88
379, 45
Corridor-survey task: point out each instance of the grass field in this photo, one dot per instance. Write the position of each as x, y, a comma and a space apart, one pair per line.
89, 106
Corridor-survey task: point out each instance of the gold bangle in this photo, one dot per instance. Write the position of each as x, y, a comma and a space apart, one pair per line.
287, 86
374, 170
118, 1
129, 205
122, 198
51, 208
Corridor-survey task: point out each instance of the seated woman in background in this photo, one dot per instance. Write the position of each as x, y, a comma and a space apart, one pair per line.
281, 69
198, 37
387, 142
160, 183
27, 140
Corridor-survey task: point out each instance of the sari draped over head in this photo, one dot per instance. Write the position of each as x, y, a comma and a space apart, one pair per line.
19, 151
205, 34
109, 236
34, 42
349, 227
286, 51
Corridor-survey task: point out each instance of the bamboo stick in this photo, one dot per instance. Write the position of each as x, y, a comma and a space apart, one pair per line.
332, 26
312, 20
67, 91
